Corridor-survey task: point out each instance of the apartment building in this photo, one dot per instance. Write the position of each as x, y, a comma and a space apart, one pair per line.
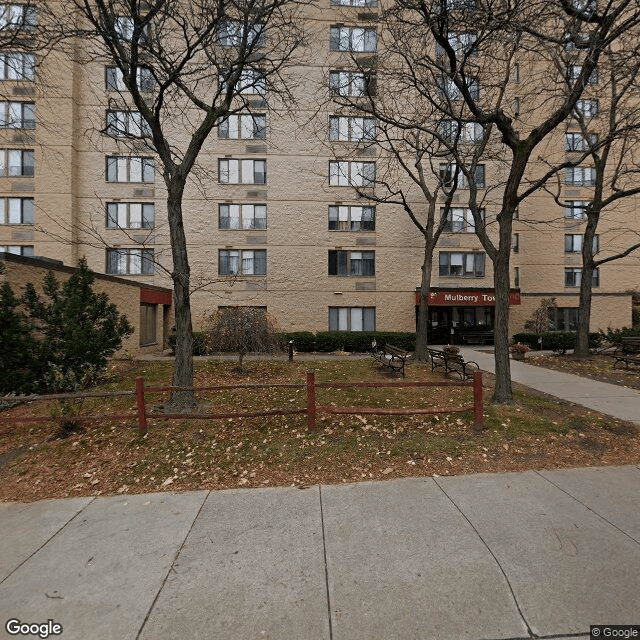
271, 216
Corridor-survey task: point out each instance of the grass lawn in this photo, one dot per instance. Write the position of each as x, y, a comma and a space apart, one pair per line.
535, 432
596, 367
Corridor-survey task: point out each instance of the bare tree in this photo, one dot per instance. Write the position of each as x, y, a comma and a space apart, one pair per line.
479, 47
401, 112
183, 68
243, 330
539, 321
610, 144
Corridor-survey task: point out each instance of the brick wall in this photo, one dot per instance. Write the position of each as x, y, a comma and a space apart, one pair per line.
123, 293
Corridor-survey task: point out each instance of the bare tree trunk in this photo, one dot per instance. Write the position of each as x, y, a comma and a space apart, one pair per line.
586, 289
180, 401
584, 312
422, 338
502, 393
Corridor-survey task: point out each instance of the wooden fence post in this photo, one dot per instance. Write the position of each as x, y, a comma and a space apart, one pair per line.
311, 399
478, 423
142, 414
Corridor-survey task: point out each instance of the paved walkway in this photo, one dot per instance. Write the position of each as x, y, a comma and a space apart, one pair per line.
610, 399
484, 557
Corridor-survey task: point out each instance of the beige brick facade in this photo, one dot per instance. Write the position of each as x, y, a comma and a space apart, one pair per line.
127, 295
71, 193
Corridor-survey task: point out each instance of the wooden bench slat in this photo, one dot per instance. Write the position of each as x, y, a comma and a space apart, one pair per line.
452, 363
392, 357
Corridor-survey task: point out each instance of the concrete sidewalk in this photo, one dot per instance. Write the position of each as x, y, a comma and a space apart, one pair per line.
611, 399
484, 557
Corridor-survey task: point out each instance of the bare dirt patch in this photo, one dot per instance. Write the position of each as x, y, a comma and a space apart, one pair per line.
110, 458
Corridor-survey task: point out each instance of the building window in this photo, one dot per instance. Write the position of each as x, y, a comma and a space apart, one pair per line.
125, 29
130, 215
130, 262
251, 81
17, 66
17, 115
242, 171
573, 277
18, 249
17, 163
148, 323
352, 263
454, 131
587, 108
458, 5
587, 7
357, 174
352, 84
16, 210
577, 142
126, 124
450, 180
243, 127
516, 276
563, 319
515, 242
242, 216
348, 218
580, 176
576, 209
459, 220
574, 72
130, 169
114, 79
231, 32
451, 92
576, 40
463, 44
573, 243
355, 3
245, 262
355, 39
461, 264
352, 318
17, 16
350, 128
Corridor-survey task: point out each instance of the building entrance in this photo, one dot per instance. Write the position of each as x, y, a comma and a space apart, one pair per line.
460, 316
452, 324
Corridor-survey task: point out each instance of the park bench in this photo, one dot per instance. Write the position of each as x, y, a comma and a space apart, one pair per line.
437, 359
628, 353
452, 362
391, 357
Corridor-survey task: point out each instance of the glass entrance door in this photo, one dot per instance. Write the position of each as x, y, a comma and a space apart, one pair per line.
439, 325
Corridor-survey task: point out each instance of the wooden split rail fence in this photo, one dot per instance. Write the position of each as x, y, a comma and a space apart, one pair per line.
312, 409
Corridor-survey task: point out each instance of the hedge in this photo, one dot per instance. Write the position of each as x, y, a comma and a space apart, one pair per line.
351, 341
615, 335
303, 341
557, 341
199, 343
360, 341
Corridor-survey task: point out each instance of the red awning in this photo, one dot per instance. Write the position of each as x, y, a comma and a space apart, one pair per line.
155, 296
